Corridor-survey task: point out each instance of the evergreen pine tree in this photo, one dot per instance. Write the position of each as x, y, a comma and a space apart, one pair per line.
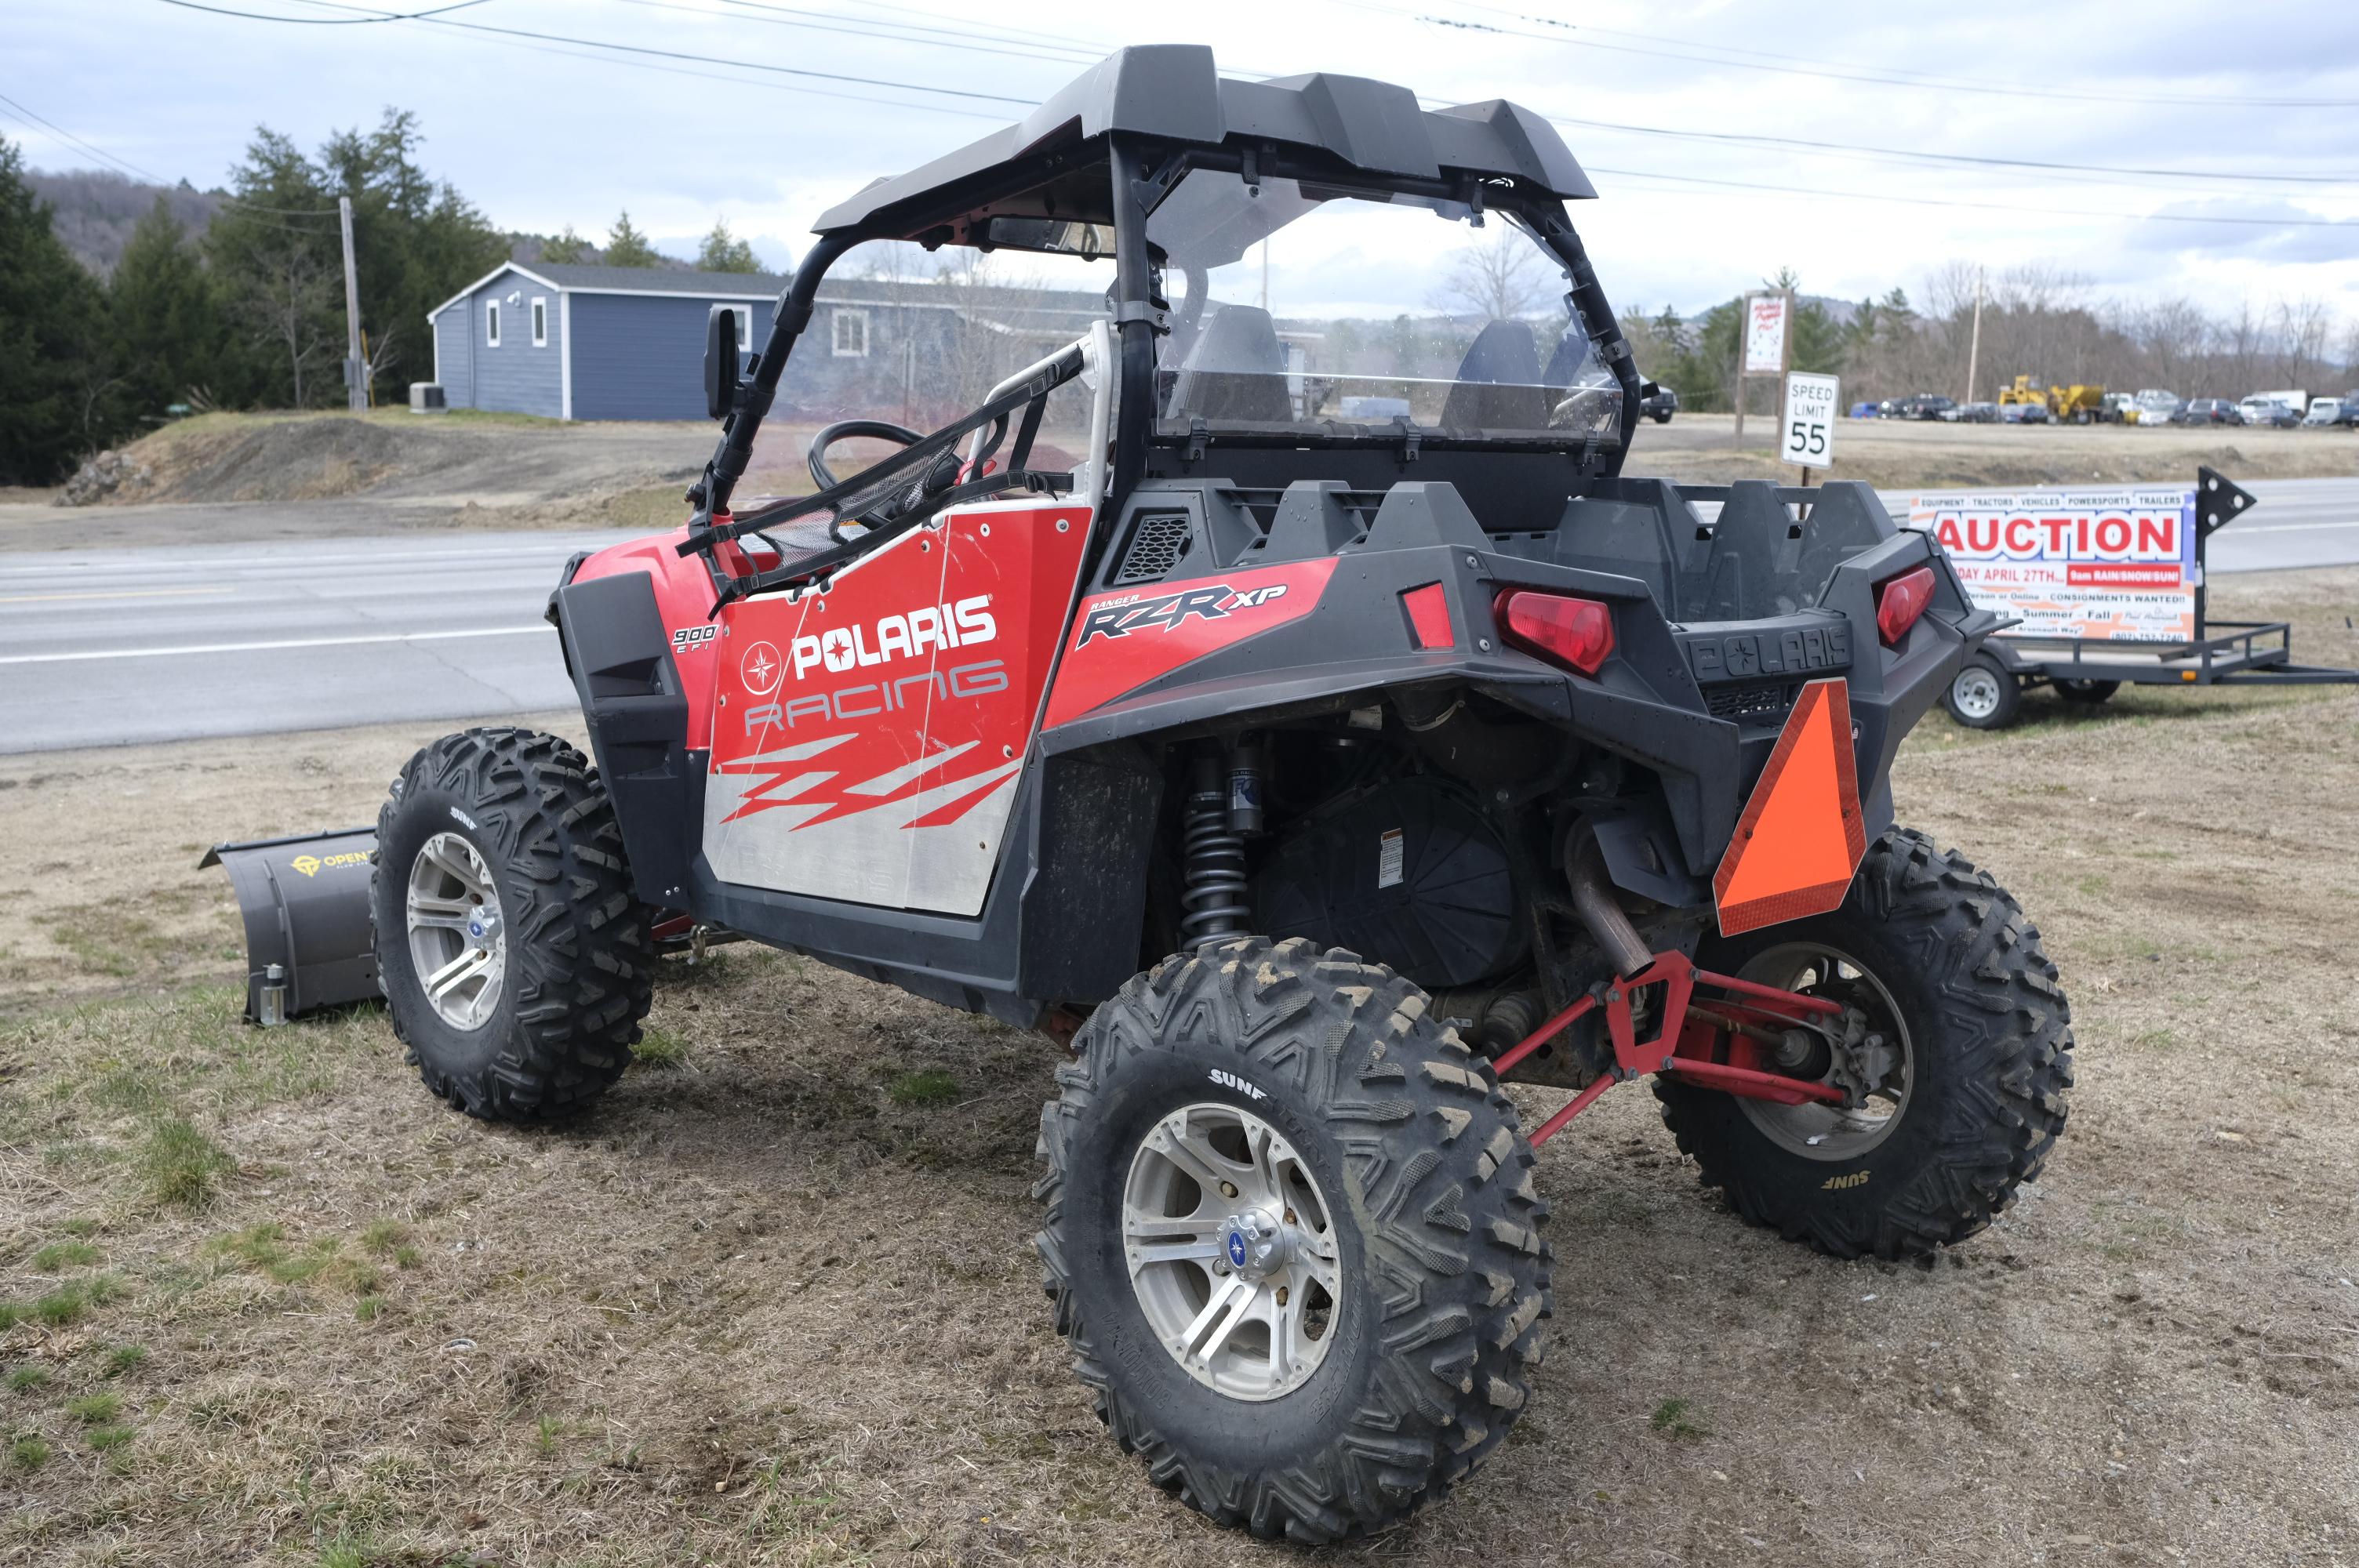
625, 246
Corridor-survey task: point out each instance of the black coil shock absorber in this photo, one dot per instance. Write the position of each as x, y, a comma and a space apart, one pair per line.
1213, 846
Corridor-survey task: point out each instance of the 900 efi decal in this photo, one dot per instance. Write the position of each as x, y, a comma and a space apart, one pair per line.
1123, 641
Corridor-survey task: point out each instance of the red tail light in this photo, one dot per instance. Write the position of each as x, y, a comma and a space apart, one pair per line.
1899, 600
1576, 632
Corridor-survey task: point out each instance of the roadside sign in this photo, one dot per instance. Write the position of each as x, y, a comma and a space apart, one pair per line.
2101, 565
1765, 335
1809, 424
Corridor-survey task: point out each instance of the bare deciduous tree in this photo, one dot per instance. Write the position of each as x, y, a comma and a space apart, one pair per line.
1500, 276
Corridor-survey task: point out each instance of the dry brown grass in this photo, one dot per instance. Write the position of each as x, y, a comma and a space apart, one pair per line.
775, 1303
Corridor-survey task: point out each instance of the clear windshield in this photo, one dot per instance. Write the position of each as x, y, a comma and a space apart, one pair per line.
1305, 311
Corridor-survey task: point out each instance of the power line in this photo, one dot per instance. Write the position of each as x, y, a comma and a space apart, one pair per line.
1912, 154
1806, 66
125, 165
623, 49
328, 21
1760, 189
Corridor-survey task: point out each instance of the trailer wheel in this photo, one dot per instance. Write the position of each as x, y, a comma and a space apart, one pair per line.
1982, 694
1966, 1092
2091, 692
514, 958
1292, 1238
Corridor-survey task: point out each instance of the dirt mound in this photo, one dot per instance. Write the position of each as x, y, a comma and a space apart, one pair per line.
294, 459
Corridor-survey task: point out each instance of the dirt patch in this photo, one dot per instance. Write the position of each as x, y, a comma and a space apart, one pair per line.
308, 459
759, 1307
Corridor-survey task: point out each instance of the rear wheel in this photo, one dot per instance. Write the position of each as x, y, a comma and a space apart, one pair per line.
2091, 692
1982, 694
1292, 1238
514, 961
1962, 1068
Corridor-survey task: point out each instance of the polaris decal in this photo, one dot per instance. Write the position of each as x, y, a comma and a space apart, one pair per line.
689, 637
903, 636
868, 698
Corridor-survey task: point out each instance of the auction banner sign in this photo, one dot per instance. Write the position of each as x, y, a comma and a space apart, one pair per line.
2101, 565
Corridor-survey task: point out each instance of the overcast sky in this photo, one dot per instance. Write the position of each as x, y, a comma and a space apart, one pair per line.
542, 133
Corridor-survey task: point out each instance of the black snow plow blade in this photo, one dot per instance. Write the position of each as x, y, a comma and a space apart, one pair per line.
305, 905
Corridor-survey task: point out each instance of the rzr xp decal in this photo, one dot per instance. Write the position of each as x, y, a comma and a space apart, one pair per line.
1119, 618
1123, 641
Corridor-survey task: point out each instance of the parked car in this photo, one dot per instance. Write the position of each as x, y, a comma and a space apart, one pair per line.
1659, 405
2323, 412
2349, 417
2269, 411
1923, 405
2208, 411
1974, 413
1865, 410
2155, 406
2024, 413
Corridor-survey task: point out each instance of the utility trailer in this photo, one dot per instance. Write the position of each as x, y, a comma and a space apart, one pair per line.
1987, 691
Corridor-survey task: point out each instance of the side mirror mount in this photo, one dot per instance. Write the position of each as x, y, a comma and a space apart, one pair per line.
722, 372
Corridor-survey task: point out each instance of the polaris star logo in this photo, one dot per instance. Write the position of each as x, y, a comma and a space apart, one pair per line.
760, 668
1231, 1081
1236, 1248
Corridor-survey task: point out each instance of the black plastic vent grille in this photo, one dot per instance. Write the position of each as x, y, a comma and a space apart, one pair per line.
1749, 701
1157, 545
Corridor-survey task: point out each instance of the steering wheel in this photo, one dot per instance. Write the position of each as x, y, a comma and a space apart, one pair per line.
850, 430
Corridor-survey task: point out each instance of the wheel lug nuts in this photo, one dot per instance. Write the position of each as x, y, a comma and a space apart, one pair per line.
1281, 1296
1290, 1220
1228, 1189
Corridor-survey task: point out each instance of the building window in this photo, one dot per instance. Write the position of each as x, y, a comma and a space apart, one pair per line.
744, 328
539, 322
492, 325
852, 334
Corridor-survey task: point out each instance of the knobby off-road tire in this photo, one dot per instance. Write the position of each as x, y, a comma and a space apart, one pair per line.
1991, 1040
1444, 1277
578, 945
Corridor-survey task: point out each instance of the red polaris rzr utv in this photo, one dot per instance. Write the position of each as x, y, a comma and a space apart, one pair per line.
1285, 702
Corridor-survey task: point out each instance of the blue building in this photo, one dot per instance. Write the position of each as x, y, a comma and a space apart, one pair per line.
619, 343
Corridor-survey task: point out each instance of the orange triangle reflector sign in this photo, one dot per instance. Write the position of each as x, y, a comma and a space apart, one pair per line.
1801, 836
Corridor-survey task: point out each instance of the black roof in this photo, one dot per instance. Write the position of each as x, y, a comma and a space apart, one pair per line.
1172, 91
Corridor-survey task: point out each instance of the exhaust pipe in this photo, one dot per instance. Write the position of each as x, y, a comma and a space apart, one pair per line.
1601, 914
305, 902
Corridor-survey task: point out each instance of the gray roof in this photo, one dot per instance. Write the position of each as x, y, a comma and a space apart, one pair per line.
1174, 93
654, 279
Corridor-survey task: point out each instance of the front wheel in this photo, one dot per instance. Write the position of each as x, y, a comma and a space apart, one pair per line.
1982, 694
514, 961
1959, 1072
1292, 1238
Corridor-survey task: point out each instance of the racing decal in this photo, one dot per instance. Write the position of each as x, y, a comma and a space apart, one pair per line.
1122, 641
866, 740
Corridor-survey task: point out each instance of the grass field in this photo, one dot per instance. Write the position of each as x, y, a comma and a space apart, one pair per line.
773, 1302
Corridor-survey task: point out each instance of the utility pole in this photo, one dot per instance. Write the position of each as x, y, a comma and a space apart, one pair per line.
355, 364
1975, 344
1744, 323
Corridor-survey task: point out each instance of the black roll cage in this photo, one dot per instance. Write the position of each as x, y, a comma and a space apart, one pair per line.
1141, 172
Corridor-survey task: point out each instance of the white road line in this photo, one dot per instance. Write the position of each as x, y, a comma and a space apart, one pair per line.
2288, 528
260, 647
111, 593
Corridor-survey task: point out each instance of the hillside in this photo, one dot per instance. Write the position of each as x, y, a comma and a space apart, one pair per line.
95, 211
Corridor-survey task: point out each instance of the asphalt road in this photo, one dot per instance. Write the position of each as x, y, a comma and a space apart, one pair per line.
129, 644
122, 645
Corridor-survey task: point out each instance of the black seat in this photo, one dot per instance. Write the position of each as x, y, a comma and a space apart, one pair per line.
1235, 369
1498, 383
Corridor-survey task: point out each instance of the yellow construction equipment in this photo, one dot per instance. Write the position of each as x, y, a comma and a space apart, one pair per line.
2077, 403
2021, 392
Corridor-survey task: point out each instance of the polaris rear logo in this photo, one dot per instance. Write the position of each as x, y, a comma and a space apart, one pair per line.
1231, 1081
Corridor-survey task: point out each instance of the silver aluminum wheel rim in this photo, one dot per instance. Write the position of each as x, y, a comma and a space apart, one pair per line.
1817, 1130
1232, 1251
1975, 691
458, 941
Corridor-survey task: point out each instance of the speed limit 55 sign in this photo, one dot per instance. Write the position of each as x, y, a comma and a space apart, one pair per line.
1809, 424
